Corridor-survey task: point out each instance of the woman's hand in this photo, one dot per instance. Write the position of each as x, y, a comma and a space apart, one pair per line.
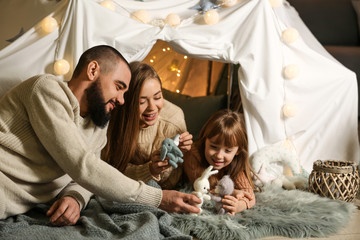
233, 205
157, 166
185, 141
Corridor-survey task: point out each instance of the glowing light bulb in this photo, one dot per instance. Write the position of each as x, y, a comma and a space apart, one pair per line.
290, 35
108, 4
291, 71
290, 110
275, 3
211, 17
61, 67
141, 16
172, 19
229, 3
49, 24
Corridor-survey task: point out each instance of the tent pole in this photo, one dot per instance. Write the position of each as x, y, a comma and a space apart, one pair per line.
209, 78
230, 83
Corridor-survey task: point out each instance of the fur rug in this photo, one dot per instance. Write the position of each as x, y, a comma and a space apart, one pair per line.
278, 212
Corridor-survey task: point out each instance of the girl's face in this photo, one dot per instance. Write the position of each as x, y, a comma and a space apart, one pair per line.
219, 155
151, 102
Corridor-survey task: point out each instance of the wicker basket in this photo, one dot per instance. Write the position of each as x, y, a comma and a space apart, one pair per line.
335, 179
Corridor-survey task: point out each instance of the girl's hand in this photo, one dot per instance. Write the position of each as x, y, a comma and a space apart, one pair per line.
233, 205
185, 141
240, 194
157, 166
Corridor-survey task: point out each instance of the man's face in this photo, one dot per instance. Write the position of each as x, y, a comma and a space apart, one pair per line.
107, 92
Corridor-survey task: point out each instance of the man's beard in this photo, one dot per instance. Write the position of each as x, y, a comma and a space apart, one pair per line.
97, 105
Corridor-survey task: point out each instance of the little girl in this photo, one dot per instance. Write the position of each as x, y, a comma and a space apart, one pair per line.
223, 144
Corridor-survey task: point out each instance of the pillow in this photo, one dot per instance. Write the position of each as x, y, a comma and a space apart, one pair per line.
356, 5
197, 110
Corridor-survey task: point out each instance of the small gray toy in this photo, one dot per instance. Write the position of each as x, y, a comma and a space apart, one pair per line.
169, 148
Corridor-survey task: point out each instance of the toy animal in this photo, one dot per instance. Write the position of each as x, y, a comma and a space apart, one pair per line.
169, 148
225, 186
202, 186
278, 165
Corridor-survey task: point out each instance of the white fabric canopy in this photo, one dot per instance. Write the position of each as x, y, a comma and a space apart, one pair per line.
249, 33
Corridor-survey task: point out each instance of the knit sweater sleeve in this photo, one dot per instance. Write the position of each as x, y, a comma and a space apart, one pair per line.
242, 183
80, 194
51, 110
192, 165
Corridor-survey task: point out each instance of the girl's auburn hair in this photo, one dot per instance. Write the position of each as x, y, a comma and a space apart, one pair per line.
228, 128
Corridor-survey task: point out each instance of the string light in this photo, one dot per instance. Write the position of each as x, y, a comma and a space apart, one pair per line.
276, 3
229, 3
172, 19
49, 24
290, 110
61, 67
108, 4
211, 17
290, 35
141, 16
291, 71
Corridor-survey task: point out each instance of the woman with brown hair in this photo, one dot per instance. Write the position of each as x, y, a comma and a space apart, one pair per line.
137, 129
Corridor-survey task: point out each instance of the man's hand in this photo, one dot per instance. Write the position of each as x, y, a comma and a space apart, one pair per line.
64, 212
185, 141
174, 201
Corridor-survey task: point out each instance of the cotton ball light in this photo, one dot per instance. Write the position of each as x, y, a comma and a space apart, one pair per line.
49, 24
275, 3
108, 4
172, 19
291, 71
61, 67
290, 35
141, 16
229, 3
211, 17
290, 110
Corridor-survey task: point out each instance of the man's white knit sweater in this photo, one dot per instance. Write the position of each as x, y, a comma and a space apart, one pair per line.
45, 143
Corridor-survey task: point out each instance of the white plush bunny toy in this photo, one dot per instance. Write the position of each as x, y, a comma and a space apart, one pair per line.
202, 186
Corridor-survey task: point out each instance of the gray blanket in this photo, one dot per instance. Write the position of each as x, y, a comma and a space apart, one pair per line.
100, 220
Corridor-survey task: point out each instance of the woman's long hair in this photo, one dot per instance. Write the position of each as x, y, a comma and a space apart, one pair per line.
124, 126
229, 129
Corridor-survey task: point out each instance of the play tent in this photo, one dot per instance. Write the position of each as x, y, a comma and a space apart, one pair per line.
292, 90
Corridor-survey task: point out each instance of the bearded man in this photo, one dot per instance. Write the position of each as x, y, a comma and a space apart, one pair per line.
51, 136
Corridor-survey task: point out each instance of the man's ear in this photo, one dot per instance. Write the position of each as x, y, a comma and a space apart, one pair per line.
93, 70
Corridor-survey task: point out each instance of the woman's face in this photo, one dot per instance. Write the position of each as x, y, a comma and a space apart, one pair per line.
151, 102
219, 155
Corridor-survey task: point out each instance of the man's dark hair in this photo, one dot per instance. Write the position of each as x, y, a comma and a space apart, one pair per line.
105, 55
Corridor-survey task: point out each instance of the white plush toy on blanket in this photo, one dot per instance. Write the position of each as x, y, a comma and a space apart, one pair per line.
277, 164
202, 186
